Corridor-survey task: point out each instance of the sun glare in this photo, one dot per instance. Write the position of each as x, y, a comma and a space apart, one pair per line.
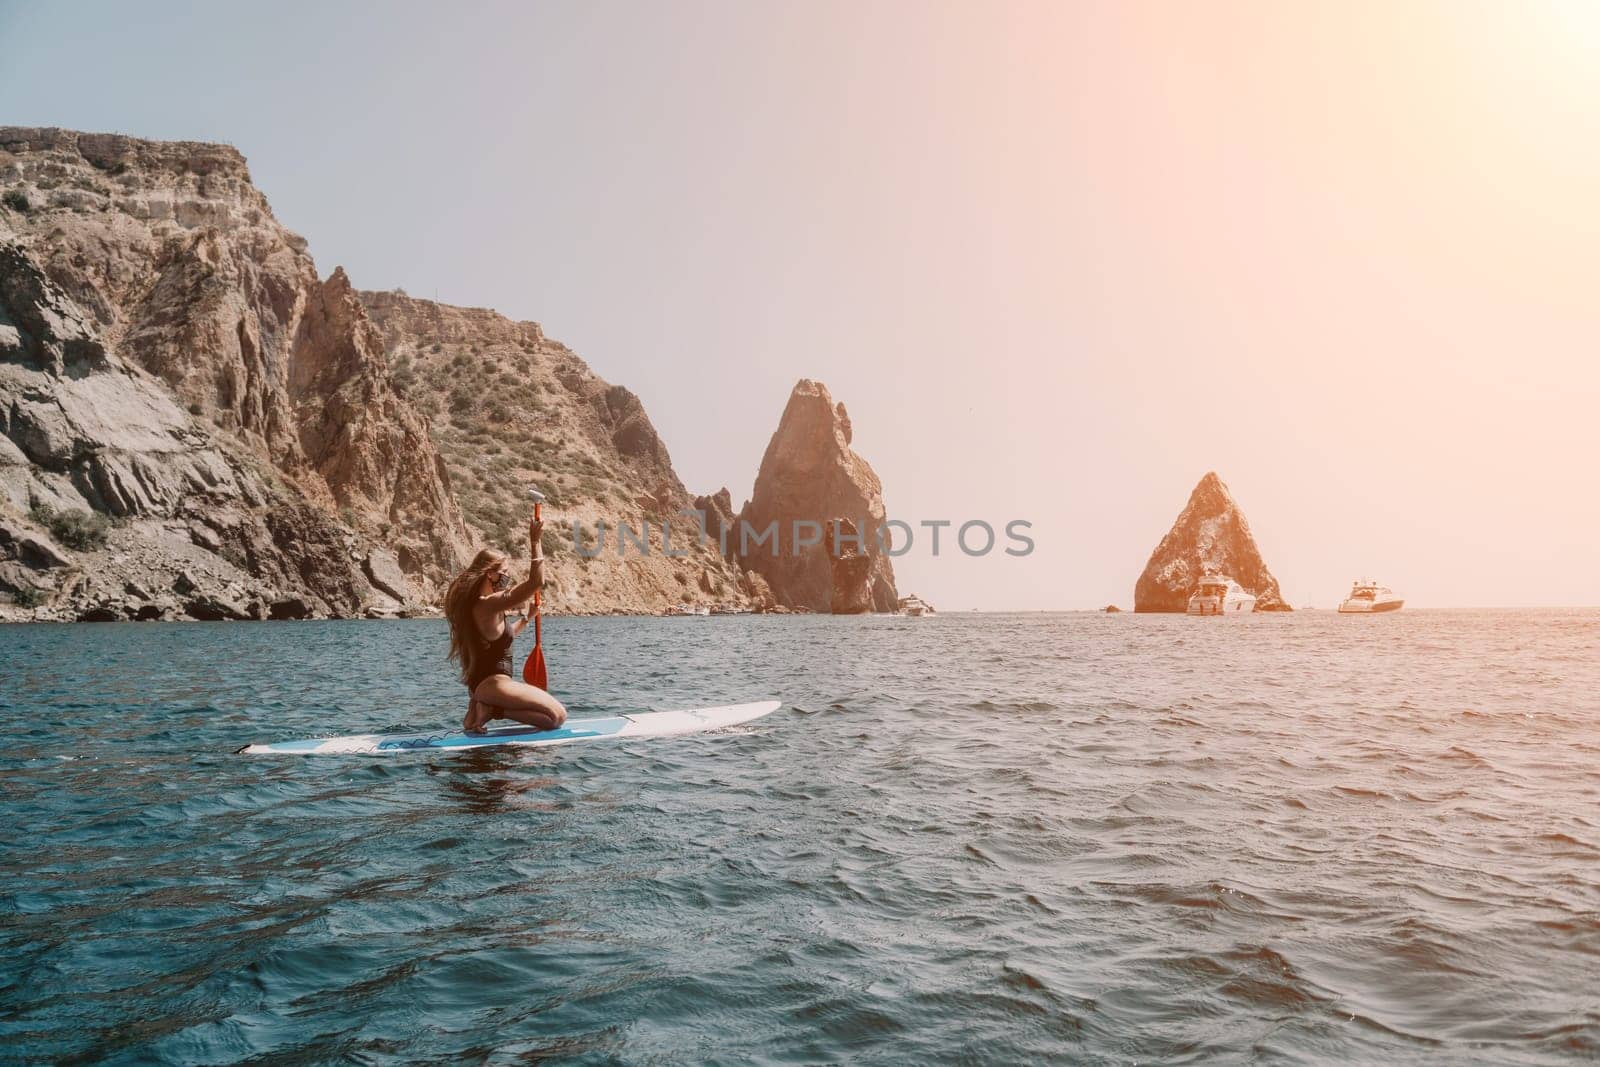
1574, 23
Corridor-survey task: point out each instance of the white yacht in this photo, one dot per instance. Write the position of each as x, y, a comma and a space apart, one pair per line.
1220, 595
1367, 596
913, 605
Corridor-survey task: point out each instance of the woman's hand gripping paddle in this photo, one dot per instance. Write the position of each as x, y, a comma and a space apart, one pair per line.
533, 671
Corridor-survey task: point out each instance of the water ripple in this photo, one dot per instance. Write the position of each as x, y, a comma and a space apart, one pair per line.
1009, 839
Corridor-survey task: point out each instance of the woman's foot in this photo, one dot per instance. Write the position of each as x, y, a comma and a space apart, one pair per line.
477, 718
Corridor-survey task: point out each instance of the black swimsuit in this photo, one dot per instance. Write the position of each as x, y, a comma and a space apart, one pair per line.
494, 657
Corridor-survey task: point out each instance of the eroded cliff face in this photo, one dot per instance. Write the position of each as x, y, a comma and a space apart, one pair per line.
1210, 532
174, 265
510, 408
115, 503
809, 473
230, 435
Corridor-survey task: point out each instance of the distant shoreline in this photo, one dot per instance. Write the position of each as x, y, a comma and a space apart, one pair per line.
437, 616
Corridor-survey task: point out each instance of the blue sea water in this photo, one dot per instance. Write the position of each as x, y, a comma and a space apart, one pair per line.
980, 838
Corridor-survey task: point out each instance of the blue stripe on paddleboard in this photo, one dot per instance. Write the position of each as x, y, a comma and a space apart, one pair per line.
575, 729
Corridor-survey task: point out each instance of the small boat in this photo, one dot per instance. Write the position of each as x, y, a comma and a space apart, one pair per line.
1368, 597
688, 609
914, 606
1220, 595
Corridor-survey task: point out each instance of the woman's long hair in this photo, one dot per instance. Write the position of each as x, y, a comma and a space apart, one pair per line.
465, 642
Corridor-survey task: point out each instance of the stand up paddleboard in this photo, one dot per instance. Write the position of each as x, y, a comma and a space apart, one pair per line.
615, 727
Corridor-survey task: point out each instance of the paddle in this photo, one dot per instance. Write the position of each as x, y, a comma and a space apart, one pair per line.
533, 671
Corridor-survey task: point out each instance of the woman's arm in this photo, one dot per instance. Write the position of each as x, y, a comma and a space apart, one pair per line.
517, 594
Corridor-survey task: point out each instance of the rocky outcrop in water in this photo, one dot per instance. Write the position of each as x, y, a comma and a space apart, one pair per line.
1210, 533
809, 474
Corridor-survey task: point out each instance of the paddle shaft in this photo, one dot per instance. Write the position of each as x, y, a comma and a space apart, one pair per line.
538, 589
534, 671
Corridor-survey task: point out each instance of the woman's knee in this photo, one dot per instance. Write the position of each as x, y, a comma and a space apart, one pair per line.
557, 710
551, 706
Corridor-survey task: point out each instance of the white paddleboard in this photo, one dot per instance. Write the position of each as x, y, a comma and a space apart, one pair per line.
612, 727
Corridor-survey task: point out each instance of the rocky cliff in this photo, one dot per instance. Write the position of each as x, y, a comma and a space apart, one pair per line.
216, 431
115, 503
178, 259
212, 325
509, 408
196, 424
1211, 532
852, 574
810, 474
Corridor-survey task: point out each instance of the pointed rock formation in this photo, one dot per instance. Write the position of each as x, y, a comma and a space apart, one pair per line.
1211, 532
721, 523
809, 474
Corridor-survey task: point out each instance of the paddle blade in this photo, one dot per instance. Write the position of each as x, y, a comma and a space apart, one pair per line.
533, 671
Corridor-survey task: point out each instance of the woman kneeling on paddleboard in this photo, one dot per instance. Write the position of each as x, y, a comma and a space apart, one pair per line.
480, 638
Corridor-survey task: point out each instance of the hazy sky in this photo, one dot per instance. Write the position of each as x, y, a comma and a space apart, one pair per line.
1058, 260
